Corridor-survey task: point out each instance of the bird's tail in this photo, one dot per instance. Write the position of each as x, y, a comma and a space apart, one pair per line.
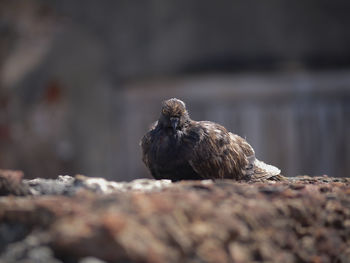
266, 172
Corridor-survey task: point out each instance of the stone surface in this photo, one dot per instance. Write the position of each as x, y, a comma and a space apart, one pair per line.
304, 219
11, 183
67, 185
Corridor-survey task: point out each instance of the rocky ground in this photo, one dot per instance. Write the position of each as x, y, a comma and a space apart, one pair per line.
90, 220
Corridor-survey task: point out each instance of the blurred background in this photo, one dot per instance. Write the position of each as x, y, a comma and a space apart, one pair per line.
81, 81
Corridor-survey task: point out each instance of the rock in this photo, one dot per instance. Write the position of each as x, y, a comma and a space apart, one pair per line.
11, 183
81, 219
32, 249
67, 185
100, 185
61, 186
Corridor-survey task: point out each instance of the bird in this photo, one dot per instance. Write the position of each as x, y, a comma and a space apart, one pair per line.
179, 148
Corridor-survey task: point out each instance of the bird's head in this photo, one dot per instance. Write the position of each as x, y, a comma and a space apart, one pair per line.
173, 115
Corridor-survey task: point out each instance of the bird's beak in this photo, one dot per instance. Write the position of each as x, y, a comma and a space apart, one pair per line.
174, 122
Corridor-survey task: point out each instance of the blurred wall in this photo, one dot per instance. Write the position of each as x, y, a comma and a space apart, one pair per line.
81, 80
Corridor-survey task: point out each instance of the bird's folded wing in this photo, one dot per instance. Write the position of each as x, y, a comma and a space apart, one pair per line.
145, 144
220, 154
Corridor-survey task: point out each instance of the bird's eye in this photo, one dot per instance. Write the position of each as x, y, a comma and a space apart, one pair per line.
164, 111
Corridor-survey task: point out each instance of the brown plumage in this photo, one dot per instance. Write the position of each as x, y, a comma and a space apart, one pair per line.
179, 148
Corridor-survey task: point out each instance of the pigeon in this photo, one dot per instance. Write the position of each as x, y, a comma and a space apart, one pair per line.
179, 148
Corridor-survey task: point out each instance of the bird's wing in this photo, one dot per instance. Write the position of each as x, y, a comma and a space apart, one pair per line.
219, 153
146, 143
256, 169
249, 153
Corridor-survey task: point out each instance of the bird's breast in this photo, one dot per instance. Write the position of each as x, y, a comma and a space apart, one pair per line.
169, 156
169, 149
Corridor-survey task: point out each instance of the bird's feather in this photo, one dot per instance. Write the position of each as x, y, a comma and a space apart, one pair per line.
219, 153
199, 150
